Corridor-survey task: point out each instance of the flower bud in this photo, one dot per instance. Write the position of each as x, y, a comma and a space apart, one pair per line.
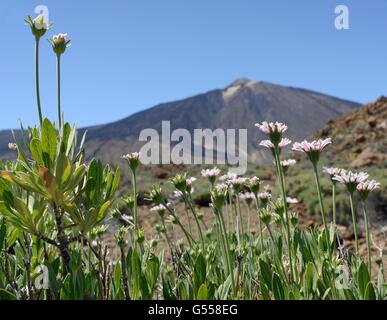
38, 26
59, 43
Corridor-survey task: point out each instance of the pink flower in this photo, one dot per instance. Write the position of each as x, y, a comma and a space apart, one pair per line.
312, 149
254, 180
315, 145
248, 197
270, 128
209, 173
273, 130
351, 179
190, 181
237, 183
221, 188
268, 144
228, 176
133, 159
264, 195
368, 185
160, 209
365, 187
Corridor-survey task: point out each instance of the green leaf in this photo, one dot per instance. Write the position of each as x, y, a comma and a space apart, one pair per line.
278, 290
49, 143
266, 273
3, 232
370, 292
202, 293
200, 271
36, 151
309, 281
62, 170
363, 278
6, 295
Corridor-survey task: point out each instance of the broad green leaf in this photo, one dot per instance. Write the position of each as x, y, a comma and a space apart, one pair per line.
202, 293
370, 292
278, 290
363, 278
49, 143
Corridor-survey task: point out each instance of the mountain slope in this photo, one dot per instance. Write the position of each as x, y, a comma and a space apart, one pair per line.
240, 105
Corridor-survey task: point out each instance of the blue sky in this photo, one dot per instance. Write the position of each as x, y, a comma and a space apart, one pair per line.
130, 55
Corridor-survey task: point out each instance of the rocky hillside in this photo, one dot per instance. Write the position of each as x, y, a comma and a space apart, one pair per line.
359, 144
360, 136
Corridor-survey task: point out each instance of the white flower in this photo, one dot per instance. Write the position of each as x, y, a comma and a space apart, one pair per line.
12, 146
291, 200
288, 163
332, 171
132, 156
39, 22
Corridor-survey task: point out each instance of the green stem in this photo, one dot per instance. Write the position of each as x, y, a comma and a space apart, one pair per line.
354, 221
58, 75
366, 224
283, 191
322, 211
135, 222
37, 79
260, 221
227, 246
240, 214
189, 200
334, 203
187, 235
